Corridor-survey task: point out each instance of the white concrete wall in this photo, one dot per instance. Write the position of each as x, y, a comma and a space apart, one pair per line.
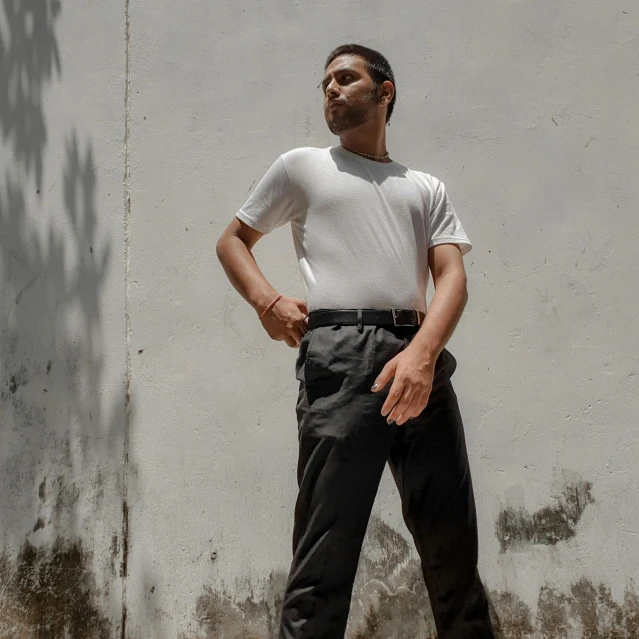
526, 110
62, 328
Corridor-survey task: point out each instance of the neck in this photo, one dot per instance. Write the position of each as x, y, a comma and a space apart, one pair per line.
369, 138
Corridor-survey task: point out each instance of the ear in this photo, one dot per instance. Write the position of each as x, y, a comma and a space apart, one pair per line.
387, 92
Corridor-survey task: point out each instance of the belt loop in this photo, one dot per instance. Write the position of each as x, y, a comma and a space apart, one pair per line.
360, 321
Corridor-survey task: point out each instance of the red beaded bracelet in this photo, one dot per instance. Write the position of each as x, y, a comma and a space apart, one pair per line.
270, 306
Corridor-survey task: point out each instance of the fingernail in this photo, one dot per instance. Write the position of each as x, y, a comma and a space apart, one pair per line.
375, 385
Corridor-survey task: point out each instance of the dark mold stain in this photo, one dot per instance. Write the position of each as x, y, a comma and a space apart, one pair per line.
42, 490
552, 613
516, 527
600, 615
390, 601
99, 486
124, 566
511, 617
27, 409
586, 612
389, 598
39, 524
20, 378
114, 554
48, 593
222, 616
66, 498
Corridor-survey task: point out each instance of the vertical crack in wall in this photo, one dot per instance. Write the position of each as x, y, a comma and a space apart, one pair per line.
127, 317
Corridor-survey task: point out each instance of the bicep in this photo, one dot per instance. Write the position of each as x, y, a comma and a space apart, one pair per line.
444, 259
248, 235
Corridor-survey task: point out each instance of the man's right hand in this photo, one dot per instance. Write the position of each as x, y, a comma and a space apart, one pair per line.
285, 321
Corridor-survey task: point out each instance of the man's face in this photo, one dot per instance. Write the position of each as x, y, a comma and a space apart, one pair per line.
350, 98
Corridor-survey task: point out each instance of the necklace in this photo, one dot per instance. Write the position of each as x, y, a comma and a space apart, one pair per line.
368, 155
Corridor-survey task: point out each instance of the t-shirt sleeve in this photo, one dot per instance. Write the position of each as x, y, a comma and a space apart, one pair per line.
445, 226
271, 204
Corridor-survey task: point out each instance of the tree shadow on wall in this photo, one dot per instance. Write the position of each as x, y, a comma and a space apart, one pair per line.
29, 57
62, 432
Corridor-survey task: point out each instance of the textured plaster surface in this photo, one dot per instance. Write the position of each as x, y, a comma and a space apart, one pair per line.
148, 436
62, 348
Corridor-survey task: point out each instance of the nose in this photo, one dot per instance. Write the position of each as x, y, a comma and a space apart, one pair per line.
331, 91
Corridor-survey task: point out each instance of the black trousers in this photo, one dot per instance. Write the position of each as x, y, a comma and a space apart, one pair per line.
344, 444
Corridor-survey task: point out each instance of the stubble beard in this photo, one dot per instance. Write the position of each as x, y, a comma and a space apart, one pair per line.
353, 114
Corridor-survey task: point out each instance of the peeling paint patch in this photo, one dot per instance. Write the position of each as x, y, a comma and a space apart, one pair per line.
516, 527
49, 592
390, 600
220, 615
511, 617
552, 613
585, 612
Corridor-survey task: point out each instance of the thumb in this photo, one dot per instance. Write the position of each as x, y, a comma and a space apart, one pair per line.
301, 304
384, 377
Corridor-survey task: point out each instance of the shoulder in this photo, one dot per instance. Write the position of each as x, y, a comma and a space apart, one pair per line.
302, 154
433, 186
432, 183
304, 162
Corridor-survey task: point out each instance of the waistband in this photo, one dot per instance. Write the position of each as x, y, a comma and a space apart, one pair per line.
392, 317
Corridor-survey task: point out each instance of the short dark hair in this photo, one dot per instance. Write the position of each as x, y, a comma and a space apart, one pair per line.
377, 65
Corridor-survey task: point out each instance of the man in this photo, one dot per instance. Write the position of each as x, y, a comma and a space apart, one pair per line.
374, 377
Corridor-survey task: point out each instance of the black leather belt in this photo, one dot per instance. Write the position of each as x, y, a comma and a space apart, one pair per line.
392, 317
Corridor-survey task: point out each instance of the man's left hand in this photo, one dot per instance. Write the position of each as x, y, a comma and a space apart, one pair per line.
413, 372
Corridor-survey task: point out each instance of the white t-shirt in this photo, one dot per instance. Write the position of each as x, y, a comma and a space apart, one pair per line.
361, 228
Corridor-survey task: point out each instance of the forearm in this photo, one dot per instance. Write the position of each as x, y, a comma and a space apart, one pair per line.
443, 314
244, 273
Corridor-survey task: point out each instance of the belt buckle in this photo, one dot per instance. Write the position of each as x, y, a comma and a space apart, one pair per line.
411, 316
